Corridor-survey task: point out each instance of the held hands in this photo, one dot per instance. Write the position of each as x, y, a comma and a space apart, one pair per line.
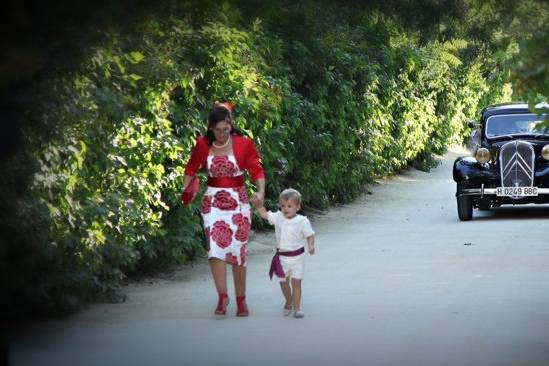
257, 199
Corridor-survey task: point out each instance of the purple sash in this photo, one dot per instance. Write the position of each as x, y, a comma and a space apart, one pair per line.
276, 266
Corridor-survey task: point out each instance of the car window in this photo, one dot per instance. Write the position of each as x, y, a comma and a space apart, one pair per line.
516, 124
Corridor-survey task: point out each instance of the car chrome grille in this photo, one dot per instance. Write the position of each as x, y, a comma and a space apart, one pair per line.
517, 164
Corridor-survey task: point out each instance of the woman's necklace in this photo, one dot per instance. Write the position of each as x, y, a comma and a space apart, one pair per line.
222, 146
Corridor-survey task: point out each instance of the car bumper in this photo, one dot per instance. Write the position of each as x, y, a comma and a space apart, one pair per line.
490, 191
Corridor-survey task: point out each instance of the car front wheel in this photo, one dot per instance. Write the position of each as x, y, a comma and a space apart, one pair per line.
465, 208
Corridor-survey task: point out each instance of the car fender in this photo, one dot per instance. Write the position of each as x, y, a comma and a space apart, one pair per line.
464, 167
468, 170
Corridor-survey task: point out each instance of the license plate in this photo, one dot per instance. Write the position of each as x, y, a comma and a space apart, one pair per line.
516, 191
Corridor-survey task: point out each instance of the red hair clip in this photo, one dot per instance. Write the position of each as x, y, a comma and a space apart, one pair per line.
227, 105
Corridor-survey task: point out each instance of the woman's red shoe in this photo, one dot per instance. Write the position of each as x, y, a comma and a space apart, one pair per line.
222, 303
241, 308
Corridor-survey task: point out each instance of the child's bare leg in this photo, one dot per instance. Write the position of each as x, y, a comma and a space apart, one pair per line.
287, 292
296, 293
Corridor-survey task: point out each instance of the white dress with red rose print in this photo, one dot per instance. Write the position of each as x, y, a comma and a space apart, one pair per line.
226, 213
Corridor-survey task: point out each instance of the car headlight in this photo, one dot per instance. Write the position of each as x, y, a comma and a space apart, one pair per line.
483, 155
545, 152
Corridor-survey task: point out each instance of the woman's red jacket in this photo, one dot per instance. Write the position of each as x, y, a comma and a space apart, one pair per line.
244, 151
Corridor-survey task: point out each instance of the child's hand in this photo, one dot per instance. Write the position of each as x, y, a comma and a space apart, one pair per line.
311, 244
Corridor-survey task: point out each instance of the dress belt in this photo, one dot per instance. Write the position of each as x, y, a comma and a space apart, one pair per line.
276, 266
226, 182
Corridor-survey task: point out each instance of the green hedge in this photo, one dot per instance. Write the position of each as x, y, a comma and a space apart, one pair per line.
331, 105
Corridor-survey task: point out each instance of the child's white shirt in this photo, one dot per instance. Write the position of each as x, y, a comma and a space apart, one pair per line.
291, 234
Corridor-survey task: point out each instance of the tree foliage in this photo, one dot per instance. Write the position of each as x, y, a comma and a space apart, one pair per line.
334, 94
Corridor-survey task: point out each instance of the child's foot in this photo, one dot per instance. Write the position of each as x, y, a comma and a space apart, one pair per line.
287, 310
298, 313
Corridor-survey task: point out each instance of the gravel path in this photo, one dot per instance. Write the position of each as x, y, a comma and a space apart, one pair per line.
397, 280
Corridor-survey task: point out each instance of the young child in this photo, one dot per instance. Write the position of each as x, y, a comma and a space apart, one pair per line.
292, 231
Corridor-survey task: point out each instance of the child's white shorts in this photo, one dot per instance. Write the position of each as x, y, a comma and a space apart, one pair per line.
293, 266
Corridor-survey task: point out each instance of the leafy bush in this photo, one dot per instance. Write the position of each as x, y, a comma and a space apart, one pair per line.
330, 104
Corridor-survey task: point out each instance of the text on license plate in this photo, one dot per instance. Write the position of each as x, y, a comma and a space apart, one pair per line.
517, 191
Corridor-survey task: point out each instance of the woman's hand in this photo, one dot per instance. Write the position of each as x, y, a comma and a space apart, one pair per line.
258, 198
186, 181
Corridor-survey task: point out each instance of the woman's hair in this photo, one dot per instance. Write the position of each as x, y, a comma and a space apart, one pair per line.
218, 114
291, 194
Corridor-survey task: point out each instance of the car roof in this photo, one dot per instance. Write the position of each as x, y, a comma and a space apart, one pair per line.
507, 108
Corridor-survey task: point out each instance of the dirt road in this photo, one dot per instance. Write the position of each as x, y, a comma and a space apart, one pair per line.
397, 280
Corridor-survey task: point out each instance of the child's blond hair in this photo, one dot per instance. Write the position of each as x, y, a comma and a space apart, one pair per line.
290, 194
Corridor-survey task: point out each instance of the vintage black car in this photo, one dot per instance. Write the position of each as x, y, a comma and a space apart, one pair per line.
510, 163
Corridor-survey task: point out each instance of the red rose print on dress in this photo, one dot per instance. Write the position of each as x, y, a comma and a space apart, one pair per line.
206, 205
224, 201
221, 167
222, 234
231, 259
241, 234
239, 219
241, 194
243, 227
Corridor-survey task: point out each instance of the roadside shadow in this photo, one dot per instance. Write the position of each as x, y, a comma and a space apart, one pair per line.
526, 212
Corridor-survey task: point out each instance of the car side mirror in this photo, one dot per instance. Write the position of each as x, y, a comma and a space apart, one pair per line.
473, 124
475, 136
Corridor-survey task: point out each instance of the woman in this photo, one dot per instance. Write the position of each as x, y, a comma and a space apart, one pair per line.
225, 153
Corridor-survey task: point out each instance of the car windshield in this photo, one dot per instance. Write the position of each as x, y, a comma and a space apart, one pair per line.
517, 124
